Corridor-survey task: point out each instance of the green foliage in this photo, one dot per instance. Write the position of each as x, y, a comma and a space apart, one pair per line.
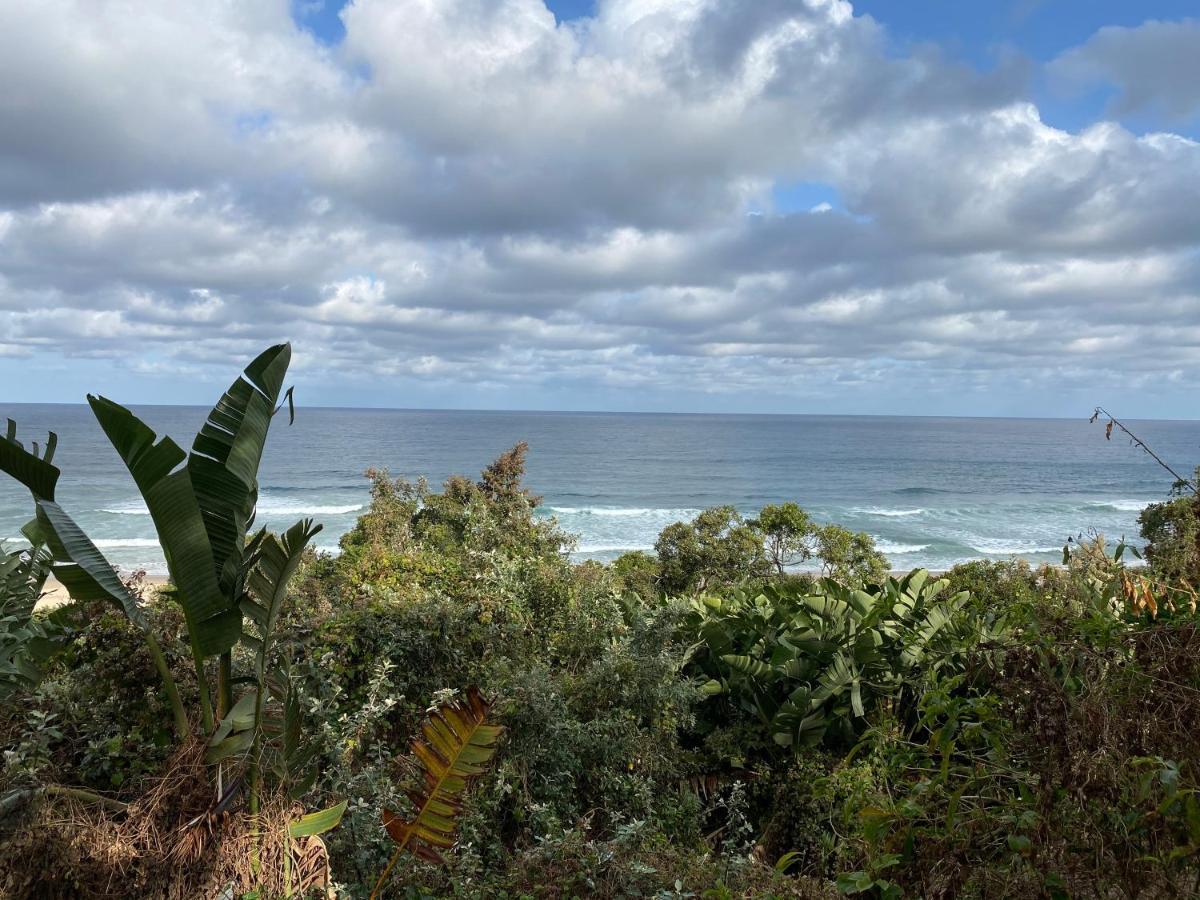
638, 573
102, 688
1000, 731
788, 534
27, 641
717, 547
200, 510
1172, 533
812, 662
849, 556
473, 540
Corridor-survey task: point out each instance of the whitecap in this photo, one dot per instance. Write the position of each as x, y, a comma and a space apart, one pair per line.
890, 513
897, 549
610, 548
300, 508
1127, 505
266, 507
1003, 547
131, 508
623, 511
124, 543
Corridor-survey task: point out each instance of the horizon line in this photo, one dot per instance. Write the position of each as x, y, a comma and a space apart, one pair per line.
621, 412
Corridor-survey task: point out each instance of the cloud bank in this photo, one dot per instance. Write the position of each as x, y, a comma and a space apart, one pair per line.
465, 202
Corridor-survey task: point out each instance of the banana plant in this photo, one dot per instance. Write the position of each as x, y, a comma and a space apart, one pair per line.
70, 554
26, 642
248, 723
202, 505
811, 661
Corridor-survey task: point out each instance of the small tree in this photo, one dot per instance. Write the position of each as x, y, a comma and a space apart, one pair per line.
850, 556
717, 547
788, 535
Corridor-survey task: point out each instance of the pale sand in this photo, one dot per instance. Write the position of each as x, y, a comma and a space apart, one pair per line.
54, 594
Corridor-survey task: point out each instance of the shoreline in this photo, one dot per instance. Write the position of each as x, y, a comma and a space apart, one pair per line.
54, 594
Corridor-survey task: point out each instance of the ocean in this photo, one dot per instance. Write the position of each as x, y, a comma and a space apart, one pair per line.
932, 491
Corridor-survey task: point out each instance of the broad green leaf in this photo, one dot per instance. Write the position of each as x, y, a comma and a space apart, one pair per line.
168, 492
36, 473
226, 453
317, 822
82, 568
278, 558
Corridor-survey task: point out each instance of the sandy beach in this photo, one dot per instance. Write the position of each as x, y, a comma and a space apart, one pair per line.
55, 594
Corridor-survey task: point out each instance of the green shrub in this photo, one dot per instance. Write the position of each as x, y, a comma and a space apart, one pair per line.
716, 548
1172, 533
812, 662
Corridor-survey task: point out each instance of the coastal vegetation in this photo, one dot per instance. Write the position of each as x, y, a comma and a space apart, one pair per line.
450, 707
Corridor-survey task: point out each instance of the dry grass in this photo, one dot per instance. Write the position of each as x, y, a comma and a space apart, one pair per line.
169, 843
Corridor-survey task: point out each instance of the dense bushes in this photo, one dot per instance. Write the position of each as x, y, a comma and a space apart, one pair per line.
1172, 533
1001, 731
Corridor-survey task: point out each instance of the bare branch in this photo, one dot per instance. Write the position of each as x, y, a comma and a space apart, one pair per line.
1142, 445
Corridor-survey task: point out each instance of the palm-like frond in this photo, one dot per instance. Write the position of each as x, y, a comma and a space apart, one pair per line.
226, 453
166, 486
453, 746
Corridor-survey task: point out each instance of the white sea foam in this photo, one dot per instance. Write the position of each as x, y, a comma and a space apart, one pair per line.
610, 548
623, 512
890, 513
300, 508
893, 548
124, 543
1005, 547
1128, 505
132, 508
266, 507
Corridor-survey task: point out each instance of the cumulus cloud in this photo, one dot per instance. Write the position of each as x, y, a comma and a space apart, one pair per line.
1154, 67
470, 195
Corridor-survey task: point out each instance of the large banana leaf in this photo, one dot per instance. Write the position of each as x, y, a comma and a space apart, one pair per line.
454, 745
226, 454
213, 624
278, 558
36, 472
83, 570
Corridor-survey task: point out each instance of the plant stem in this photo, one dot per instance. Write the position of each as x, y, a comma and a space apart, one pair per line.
85, 796
1138, 442
183, 728
255, 772
386, 872
224, 684
206, 710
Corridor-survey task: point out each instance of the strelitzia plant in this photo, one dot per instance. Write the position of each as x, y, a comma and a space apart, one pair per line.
202, 505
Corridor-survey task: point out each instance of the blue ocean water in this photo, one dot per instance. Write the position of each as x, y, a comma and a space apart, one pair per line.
933, 491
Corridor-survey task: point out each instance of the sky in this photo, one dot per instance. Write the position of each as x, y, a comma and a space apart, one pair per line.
794, 206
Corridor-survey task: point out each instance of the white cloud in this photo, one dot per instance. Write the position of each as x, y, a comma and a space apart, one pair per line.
466, 193
1154, 67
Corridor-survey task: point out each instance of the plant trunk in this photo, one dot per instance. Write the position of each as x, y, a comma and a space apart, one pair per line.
206, 710
183, 728
255, 776
225, 684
